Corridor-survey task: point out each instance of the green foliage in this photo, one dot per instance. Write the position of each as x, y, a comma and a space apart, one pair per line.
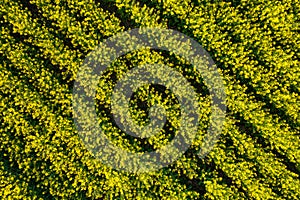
256, 48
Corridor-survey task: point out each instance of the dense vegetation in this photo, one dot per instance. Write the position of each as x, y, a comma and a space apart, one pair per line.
256, 47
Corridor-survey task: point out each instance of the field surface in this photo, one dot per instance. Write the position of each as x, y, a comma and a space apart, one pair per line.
255, 46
